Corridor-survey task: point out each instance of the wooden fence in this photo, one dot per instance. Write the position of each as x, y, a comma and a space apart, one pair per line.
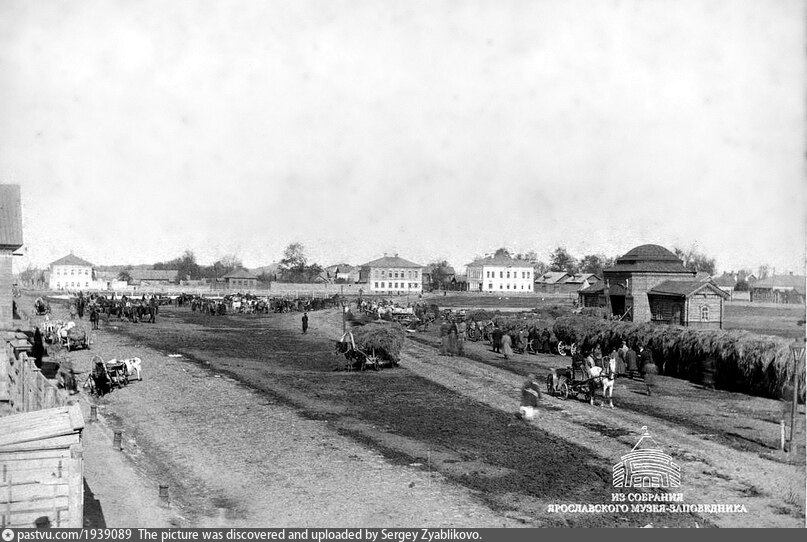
26, 388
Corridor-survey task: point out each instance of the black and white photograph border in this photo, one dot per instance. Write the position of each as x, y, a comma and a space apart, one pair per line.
398, 265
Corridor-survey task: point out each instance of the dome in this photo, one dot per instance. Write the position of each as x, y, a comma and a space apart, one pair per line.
649, 253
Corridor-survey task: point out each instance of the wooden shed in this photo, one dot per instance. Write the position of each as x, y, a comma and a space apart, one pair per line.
41, 468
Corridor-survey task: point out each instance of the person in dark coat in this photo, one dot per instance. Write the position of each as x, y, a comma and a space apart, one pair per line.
496, 339
632, 361
38, 350
649, 369
94, 316
305, 322
708, 366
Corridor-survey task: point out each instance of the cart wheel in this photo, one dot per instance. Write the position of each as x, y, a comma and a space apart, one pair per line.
561, 348
563, 388
573, 348
550, 388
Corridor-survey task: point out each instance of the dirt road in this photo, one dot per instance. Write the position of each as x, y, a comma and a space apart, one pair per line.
253, 427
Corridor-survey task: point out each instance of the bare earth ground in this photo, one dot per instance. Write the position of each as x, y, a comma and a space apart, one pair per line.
253, 427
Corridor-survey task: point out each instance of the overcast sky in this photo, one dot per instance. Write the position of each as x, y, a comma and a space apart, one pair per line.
138, 130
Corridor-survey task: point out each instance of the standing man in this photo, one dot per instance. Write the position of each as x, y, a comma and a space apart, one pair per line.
38, 349
305, 322
632, 361
621, 362
649, 369
94, 316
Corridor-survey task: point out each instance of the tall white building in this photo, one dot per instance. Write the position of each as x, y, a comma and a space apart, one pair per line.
392, 275
500, 274
70, 273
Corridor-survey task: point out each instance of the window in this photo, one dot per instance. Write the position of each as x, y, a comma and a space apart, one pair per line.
382, 285
508, 274
86, 271
375, 285
501, 286
382, 274
86, 284
501, 274
490, 286
705, 313
58, 285
72, 271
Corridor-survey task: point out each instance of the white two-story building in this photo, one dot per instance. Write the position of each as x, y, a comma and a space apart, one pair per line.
392, 275
500, 274
70, 273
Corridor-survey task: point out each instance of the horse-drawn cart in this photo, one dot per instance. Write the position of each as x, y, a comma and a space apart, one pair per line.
564, 382
357, 360
73, 338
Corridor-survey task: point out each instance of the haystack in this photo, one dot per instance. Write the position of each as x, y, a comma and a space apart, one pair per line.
385, 339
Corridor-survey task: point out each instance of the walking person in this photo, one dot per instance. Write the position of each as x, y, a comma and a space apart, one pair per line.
305, 322
649, 369
462, 330
507, 345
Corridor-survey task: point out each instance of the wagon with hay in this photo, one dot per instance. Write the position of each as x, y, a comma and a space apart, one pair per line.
372, 346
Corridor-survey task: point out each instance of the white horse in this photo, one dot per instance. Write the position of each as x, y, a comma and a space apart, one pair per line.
132, 366
608, 375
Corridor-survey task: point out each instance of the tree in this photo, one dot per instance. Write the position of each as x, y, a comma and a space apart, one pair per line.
126, 274
501, 252
764, 271
186, 266
561, 260
294, 265
294, 256
595, 263
741, 286
539, 268
230, 263
442, 273
696, 261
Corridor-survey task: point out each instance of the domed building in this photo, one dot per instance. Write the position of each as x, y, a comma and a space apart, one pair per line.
650, 284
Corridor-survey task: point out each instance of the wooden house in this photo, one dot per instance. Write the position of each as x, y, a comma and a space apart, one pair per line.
41, 469
10, 241
241, 279
691, 303
779, 289
551, 282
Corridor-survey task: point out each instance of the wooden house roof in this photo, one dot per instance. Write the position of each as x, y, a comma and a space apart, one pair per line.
685, 288
649, 259
552, 277
10, 217
41, 429
392, 262
71, 259
239, 274
500, 261
781, 282
154, 274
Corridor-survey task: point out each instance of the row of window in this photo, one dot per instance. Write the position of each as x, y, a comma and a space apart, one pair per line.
382, 273
524, 274
71, 285
72, 271
396, 285
502, 286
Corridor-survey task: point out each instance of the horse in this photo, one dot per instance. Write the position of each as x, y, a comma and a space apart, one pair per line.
608, 376
133, 366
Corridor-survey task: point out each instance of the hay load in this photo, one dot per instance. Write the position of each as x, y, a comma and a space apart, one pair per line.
385, 339
746, 362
